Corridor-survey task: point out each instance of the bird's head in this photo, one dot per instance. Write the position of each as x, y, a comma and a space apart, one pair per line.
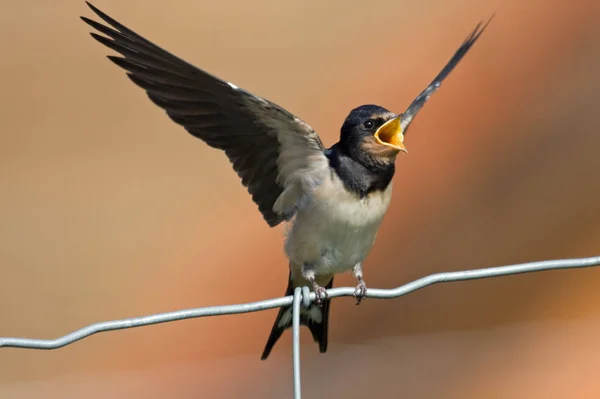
373, 131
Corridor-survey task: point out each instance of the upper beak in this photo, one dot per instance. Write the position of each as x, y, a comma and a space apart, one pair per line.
390, 134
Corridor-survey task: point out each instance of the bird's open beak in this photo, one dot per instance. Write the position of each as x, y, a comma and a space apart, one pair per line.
390, 134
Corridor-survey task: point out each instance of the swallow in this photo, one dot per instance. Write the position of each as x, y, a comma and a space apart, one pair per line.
333, 199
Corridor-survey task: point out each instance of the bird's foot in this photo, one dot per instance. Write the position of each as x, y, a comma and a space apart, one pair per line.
360, 292
321, 294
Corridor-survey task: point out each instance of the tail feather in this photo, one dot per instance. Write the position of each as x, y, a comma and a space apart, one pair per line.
318, 329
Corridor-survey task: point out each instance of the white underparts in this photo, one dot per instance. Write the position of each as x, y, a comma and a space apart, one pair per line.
334, 229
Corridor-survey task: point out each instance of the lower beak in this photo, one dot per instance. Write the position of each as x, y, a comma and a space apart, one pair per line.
390, 134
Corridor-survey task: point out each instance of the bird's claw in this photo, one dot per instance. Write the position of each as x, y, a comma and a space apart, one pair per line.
360, 292
321, 294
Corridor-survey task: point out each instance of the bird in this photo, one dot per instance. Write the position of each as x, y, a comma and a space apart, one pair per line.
332, 200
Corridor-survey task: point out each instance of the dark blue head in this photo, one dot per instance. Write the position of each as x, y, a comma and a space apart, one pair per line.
372, 132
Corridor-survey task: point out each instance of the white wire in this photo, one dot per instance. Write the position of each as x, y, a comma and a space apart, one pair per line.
286, 301
296, 300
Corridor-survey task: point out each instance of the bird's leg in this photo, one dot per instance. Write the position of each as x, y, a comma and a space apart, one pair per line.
308, 272
361, 289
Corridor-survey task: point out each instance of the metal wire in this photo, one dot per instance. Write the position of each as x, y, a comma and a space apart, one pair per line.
297, 299
296, 340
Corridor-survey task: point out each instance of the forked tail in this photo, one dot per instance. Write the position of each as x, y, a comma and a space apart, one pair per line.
315, 318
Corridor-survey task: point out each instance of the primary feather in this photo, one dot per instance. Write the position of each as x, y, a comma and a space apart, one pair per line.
276, 155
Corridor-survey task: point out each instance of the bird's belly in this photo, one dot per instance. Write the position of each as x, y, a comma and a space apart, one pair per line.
335, 232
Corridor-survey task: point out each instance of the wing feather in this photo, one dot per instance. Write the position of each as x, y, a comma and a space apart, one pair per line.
272, 151
435, 84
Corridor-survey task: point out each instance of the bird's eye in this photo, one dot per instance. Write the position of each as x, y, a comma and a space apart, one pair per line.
369, 124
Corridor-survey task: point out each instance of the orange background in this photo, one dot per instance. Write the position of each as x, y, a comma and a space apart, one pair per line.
109, 210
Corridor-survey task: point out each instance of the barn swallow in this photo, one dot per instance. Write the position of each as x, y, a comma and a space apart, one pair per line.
333, 198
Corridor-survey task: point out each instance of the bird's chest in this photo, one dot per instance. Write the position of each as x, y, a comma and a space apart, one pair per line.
334, 228
345, 212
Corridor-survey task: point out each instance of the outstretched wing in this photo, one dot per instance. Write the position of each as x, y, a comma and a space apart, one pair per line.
275, 154
422, 98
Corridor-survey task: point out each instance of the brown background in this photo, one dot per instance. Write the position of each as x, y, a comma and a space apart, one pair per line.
109, 210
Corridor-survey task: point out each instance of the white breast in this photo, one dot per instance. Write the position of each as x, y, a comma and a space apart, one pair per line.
335, 229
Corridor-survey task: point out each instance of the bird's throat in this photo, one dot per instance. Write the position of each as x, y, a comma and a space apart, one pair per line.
360, 176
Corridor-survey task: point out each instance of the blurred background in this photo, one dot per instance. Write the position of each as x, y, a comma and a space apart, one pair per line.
109, 210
